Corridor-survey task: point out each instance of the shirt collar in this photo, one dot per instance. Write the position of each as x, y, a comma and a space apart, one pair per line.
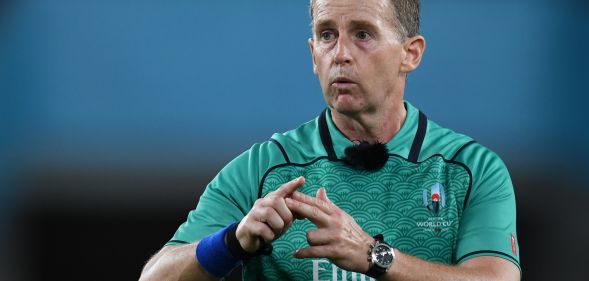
400, 144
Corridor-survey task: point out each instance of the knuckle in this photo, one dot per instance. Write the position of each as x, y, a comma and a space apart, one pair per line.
330, 249
259, 202
315, 212
317, 202
257, 228
271, 201
264, 211
336, 223
247, 220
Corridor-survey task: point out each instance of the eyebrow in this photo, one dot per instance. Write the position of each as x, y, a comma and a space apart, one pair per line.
322, 24
362, 24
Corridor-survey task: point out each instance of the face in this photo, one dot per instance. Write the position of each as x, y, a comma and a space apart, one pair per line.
357, 55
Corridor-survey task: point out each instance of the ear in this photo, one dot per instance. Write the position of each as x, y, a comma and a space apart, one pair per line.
413, 49
312, 46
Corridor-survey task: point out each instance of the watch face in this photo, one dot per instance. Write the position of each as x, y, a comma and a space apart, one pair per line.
382, 255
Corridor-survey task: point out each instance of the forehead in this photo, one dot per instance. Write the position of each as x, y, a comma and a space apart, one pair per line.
370, 11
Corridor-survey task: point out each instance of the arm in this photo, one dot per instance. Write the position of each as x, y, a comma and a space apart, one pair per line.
267, 220
339, 238
229, 197
408, 268
175, 263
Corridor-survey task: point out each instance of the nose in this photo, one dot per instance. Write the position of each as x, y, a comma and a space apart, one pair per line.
342, 51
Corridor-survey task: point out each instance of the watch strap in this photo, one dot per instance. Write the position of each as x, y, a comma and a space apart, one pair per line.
378, 237
375, 271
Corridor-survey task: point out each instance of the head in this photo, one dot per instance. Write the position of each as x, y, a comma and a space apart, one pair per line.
404, 16
363, 50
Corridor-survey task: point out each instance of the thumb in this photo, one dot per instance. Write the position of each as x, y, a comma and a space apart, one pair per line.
322, 194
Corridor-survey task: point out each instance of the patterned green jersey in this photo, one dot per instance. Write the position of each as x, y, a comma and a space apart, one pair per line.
441, 196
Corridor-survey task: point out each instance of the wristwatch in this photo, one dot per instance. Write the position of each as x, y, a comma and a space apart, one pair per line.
381, 256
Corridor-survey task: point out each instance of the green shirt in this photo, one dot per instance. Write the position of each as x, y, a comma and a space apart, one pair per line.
441, 196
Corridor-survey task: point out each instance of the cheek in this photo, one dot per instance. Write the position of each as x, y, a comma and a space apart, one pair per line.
387, 67
380, 75
322, 72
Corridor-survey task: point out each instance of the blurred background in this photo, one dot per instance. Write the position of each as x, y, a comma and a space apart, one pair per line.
114, 115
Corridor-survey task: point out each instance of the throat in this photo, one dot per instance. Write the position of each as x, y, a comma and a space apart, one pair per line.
372, 128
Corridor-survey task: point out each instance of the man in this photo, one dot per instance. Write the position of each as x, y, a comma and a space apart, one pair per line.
336, 204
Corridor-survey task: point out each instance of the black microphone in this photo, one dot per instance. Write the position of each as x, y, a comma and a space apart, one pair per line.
367, 156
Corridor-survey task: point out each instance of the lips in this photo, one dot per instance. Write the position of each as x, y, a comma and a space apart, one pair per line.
343, 83
342, 80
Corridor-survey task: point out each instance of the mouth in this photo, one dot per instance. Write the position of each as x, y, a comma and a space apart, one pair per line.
342, 82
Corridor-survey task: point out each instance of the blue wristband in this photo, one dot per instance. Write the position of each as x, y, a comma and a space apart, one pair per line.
214, 255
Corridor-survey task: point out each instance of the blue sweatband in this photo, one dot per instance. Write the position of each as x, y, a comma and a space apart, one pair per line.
214, 255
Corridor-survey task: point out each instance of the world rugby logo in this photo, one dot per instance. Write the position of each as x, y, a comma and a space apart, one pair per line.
436, 200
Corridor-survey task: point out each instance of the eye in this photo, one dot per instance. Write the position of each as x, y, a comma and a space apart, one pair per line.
327, 35
363, 35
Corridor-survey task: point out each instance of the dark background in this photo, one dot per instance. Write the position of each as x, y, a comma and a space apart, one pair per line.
115, 115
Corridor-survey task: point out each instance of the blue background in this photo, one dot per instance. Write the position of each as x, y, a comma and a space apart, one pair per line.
115, 114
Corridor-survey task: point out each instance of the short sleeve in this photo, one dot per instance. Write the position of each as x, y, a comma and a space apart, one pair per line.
488, 223
229, 196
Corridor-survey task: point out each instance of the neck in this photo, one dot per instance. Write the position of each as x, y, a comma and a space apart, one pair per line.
378, 126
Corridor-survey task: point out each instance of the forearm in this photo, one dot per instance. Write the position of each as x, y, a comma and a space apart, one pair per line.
409, 268
175, 263
181, 262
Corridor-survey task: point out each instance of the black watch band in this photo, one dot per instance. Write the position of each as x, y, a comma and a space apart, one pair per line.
375, 270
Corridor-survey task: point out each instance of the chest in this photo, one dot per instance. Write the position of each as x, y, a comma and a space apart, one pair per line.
416, 206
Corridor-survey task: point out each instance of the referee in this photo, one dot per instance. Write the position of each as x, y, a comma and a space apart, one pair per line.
371, 189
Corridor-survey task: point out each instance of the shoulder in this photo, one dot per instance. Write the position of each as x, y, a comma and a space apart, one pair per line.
489, 173
301, 144
456, 147
294, 146
443, 141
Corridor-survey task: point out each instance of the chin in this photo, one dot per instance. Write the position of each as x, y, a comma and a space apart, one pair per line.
346, 109
345, 102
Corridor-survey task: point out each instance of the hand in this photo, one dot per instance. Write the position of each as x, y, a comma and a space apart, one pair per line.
338, 237
268, 219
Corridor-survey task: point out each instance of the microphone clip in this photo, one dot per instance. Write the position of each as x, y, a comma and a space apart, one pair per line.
367, 156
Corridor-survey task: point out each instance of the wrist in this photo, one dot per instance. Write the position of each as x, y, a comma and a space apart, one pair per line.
214, 256
381, 257
237, 249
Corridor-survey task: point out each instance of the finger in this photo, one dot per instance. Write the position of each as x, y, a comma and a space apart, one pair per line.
263, 230
313, 213
269, 216
325, 206
279, 205
318, 237
322, 194
289, 187
323, 251
285, 214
